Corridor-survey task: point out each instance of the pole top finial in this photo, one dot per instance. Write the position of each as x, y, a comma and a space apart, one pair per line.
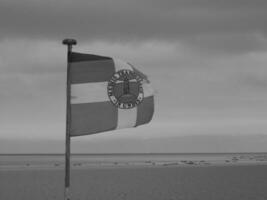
69, 41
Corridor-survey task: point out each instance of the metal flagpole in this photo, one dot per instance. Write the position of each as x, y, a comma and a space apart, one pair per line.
69, 43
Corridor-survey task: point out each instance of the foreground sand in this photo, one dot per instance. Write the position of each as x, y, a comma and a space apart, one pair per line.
138, 183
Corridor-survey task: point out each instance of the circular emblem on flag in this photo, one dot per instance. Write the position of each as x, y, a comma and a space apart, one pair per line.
125, 89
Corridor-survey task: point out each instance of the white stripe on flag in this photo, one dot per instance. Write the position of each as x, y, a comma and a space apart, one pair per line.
119, 65
127, 117
89, 92
148, 90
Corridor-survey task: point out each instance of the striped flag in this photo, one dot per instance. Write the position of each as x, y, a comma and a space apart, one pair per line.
107, 94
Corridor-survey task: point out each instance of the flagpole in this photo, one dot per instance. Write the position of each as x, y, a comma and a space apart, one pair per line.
69, 43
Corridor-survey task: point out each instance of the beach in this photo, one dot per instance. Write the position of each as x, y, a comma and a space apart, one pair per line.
170, 181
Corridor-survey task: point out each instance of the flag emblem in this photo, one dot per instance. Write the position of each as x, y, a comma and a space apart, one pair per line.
125, 89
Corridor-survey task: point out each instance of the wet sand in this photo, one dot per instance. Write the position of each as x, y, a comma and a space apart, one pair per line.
181, 182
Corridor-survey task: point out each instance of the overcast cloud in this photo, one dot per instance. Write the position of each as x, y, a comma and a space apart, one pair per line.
238, 25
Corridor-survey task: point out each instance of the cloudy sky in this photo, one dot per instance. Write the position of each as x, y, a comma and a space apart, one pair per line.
207, 61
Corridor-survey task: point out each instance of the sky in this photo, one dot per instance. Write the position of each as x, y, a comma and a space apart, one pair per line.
205, 58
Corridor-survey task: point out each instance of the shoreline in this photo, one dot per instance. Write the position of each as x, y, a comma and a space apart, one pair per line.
85, 166
88, 161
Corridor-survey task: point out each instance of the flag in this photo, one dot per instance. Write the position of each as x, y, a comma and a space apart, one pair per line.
107, 94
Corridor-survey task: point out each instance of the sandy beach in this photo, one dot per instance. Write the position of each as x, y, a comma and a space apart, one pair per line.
220, 179
155, 183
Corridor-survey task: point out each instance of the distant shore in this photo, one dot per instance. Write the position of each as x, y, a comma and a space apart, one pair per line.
83, 161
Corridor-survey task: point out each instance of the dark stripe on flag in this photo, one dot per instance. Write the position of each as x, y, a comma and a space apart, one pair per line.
90, 118
92, 71
145, 111
79, 57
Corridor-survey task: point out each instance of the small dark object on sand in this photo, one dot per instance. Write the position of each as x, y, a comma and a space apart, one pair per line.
77, 164
235, 159
190, 162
